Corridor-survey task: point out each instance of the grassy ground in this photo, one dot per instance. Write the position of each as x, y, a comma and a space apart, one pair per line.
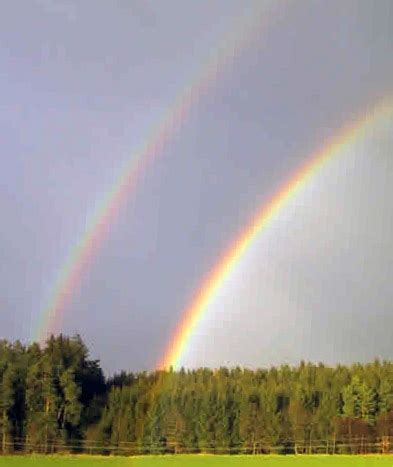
198, 461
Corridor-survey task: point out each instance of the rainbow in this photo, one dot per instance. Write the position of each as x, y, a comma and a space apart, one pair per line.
90, 240
213, 281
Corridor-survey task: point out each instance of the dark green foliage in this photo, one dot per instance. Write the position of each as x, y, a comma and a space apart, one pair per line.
47, 396
55, 399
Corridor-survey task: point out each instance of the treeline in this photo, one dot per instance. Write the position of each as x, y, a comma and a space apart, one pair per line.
55, 399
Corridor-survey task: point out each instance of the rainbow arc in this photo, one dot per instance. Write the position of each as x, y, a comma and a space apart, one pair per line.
213, 281
238, 36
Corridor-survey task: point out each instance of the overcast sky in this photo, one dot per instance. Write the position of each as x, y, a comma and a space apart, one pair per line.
82, 86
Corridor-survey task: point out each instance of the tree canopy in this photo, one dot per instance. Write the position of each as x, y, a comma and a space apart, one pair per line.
55, 398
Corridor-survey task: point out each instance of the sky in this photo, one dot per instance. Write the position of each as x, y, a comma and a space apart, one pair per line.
84, 84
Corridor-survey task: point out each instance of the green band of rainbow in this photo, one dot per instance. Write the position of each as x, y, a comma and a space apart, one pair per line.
227, 262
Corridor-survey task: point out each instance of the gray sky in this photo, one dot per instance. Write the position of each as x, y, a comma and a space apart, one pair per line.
83, 84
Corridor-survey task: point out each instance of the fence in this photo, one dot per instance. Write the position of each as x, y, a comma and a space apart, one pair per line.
354, 445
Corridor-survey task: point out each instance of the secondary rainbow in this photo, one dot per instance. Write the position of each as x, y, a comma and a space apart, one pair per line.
227, 262
88, 243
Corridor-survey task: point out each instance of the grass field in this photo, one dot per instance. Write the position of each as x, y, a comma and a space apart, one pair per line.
198, 461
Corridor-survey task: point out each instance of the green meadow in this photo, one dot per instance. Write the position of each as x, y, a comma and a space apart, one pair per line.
198, 461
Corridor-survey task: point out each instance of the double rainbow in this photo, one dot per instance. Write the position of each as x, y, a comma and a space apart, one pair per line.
97, 228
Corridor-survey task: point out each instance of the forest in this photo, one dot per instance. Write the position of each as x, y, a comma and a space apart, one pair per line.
55, 398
